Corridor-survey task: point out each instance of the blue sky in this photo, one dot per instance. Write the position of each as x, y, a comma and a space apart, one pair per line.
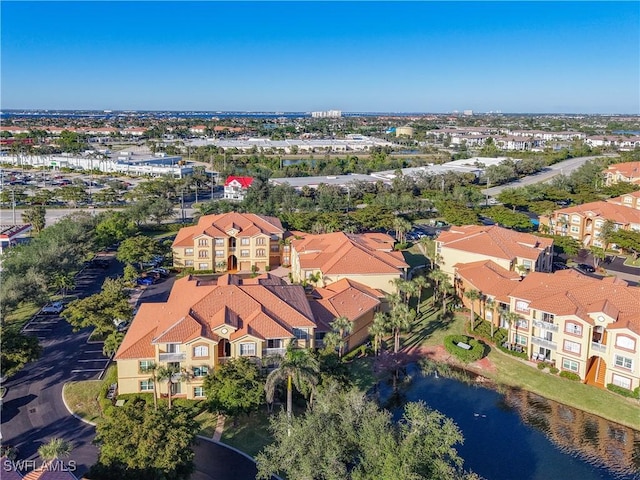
581, 57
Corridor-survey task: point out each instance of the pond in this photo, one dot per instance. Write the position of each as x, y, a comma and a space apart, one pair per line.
520, 435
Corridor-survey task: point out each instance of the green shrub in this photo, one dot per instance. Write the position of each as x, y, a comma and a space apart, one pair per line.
555, 370
542, 366
137, 397
570, 375
623, 391
360, 351
476, 352
483, 330
522, 355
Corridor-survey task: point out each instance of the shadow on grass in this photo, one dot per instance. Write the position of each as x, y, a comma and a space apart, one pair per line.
432, 320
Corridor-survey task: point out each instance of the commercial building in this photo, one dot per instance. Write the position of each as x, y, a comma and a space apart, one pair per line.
230, 242
514, 251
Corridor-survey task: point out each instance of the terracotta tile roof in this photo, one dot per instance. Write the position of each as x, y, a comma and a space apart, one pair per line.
494, 241
568, 292
349, 254
608, 210
264, 307
9, 470
344, 298
628, 169
489, 278
44, 474
248, 224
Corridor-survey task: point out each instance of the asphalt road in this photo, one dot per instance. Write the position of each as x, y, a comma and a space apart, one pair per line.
566, 167
33, 411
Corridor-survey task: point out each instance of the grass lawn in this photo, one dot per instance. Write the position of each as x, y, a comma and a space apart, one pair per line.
414, 257
82, 399
207, 421
19, 317
630, 262
361, 373
510, 371
249, 433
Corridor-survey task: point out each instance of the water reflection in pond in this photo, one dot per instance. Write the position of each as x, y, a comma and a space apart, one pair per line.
520, 435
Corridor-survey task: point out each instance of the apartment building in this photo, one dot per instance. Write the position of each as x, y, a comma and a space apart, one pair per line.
582, 324
584, 222
366, 258
514, 251
235, 188
623, 172
230, 242
207, 322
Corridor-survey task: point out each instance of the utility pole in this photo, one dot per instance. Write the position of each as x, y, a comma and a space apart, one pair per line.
13, 204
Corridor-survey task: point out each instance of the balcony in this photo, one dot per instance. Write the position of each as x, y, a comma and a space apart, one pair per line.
543, 342
274, 351
173, 357
545, 325
598, 347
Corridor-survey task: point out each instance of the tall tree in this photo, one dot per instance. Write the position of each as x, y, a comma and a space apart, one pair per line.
378, 329
36, 216
400, 320
54, 449
235, 387
472, 295
421, 283
138, 249
343, 327
298, 368
168, 373
490, 304
511, 318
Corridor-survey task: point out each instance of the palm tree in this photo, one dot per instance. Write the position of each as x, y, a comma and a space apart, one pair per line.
377, 329
405, 287
153, 370
421, 283
472, 295
63, 282
299, 368
401, 226
343, 327
56, 448
511, 318
438, 276
167, 373
490, 303
393, 299
399, 321
446, 289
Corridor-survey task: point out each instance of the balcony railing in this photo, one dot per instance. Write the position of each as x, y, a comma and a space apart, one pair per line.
173, 357
274, 351
546, 325
543, 342
223, 359
598, 347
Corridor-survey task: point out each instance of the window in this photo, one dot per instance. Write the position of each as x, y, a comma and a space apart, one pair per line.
146, 386
627, 200
521, 339
244, 253
219, 253
575, 229
247, 349
275, 248
573, 328
261, 252
625, 342
201, 351
219, 241
245, 241
522, 306
620, 381
260, 241
527, 264
188, 263
188, 251
198, 391
575, 219
145, 365
203, 242
573, 347
275, 238
522, 323
568, 364
301, 333
173, 348
599, 223
201, 371
203, 266
623, 362
203, 254
275, 343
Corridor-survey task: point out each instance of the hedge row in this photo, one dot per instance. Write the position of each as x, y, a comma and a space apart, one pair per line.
623, 391
476, 352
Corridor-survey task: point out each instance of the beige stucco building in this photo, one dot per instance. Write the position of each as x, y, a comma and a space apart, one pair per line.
515, 251
230, 242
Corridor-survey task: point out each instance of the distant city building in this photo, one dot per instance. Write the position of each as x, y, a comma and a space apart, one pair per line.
235, 188
327, 114
404, 131
467, 113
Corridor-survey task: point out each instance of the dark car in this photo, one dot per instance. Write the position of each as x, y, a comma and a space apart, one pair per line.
145, 281
559, 266
585, 268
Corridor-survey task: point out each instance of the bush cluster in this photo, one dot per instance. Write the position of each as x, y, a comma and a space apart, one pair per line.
623, 391
476, 352
570, 375
555, 370
483, 329
360, 351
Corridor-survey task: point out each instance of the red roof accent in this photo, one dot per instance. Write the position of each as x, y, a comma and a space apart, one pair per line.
244, 181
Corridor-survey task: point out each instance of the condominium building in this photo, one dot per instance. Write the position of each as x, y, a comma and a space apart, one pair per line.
585, 222
514, 251
230, 242
367, 258
235, 188
623, 172
207, 322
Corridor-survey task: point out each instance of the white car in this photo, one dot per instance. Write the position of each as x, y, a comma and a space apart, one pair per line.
52, 308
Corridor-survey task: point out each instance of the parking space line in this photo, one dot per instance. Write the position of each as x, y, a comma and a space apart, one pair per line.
87, 370
92, 351
95, 360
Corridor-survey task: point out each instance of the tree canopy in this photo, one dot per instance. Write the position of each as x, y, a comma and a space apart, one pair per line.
235, 387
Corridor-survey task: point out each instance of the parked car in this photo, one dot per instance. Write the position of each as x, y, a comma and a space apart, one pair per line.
53, 308
146, 281
585, 268
163, 272
559, 266
121, 325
